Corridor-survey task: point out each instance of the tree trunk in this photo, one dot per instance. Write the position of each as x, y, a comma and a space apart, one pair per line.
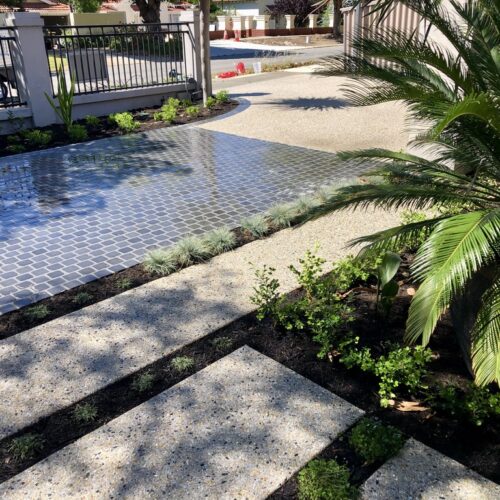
206, 82
149, 10
337, 18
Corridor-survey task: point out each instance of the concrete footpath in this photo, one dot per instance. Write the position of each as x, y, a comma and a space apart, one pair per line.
58, 363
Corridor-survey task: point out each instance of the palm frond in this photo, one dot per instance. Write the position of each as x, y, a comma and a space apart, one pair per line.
457, 248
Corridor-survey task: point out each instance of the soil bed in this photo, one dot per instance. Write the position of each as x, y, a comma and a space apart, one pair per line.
107, 128
477, 447
298, 40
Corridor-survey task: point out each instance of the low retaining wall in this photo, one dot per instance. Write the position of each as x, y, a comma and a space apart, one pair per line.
219, 35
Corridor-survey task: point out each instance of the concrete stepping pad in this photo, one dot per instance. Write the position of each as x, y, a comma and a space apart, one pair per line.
237, 429
421, 472
60, 362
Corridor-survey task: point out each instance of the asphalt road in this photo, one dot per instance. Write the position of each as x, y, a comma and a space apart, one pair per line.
225, 59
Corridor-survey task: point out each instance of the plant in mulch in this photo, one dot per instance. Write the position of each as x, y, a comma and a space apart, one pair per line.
282, 215
325, 480
65, 94
476, 404
77, 133
82, 298
85, 412
161, 261
222, 343
211, 102
375, 442
124, 283
399, 367
256, 225
143, 382
37, 312
25, 447
192, 111
92, 121
36, 138
190, 250
124, 121
321, 311
222, 96
220, 240
182, 364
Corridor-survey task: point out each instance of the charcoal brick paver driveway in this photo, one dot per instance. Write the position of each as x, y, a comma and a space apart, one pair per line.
73, 214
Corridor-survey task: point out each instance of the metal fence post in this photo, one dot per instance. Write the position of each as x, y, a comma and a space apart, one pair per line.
31, 58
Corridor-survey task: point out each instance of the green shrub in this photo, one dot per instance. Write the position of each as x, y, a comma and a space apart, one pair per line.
92, 121
77, 133
36, 138
211, 102
124, 283
25, 447
401, 366
15, 148
321, 312
37, 312
325, 480
182, 364
193, 111
222, 96
172, 102
166, 114
477, 404
124, 121
374, 441
190, 250
161, 261
256, 225
185, 103
143, 382
222, 343
85, 413
347, 271
282, 215
220, 240
13, 139
82, 298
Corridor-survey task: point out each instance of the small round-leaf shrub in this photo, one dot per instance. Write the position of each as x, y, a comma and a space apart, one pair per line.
193, 111
25, 447
77, 132
36, 138
211, 102
222, 96
373, 441
325, 480
124, 121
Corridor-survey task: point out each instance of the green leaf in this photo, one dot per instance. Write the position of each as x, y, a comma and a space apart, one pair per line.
388, 268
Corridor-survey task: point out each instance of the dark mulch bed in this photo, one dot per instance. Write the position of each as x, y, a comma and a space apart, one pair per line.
475, 446
63, 303
107, 128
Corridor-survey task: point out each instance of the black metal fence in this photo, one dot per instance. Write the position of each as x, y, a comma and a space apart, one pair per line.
9, 85
106, 58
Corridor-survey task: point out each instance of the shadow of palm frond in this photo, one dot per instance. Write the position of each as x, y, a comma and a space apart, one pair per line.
312, 103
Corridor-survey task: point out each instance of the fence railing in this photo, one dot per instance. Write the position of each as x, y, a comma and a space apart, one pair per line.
9, 85
106, 58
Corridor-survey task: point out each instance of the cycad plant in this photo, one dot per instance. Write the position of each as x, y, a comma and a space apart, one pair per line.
452, 90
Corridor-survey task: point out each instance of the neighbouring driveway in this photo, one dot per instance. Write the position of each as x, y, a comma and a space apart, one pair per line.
76, 213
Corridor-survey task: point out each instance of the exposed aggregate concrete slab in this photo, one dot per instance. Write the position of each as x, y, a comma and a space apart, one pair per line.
56, 364
237, 429
421, 472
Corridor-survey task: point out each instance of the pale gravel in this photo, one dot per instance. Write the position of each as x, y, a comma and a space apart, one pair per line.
60, 362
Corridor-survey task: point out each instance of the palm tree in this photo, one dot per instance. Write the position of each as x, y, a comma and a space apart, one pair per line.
455, 91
